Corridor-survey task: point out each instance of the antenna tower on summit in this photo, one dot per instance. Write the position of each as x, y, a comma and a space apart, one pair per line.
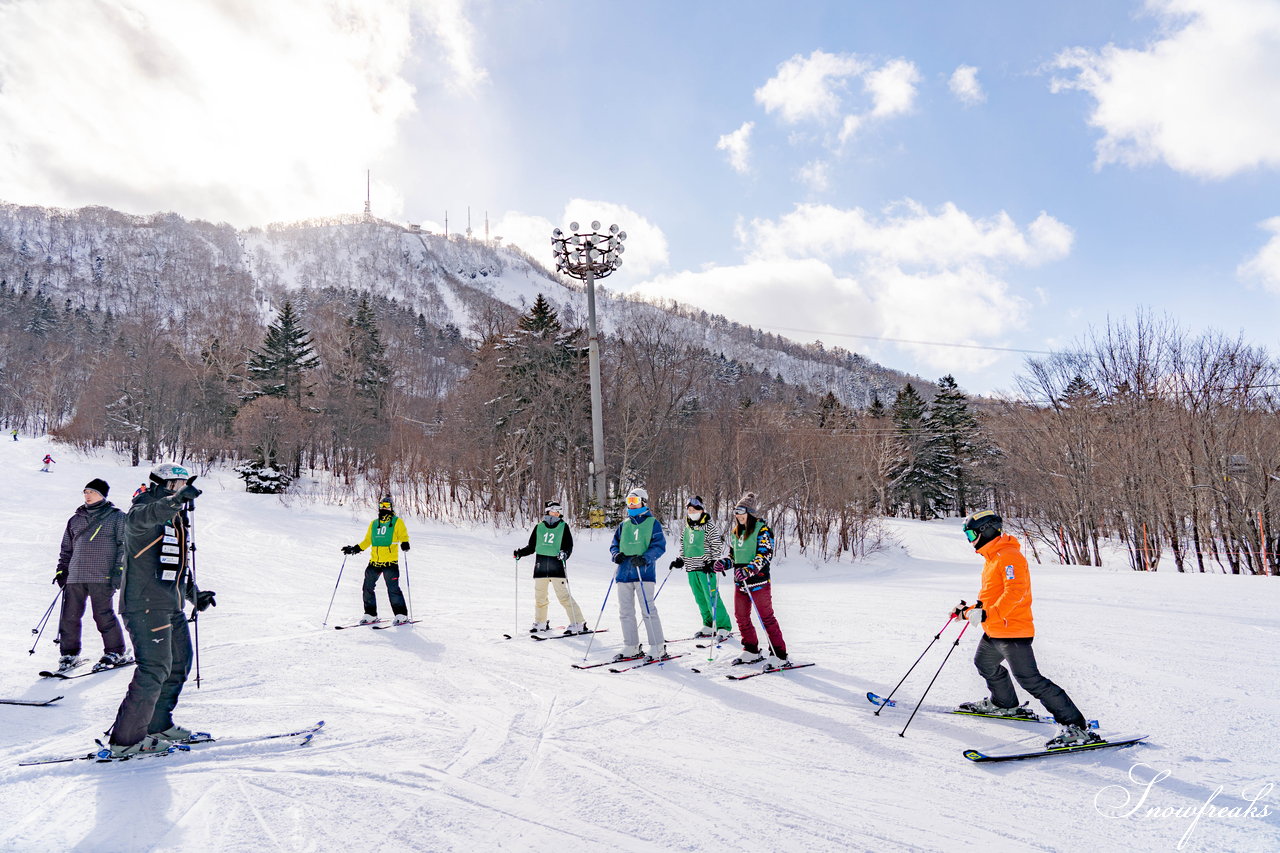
368, 182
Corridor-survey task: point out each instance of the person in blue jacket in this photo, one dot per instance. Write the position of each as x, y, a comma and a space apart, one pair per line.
637, 544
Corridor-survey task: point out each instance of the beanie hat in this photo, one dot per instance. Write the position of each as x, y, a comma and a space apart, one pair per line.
98, 485
696, 502
550, 505
748, 502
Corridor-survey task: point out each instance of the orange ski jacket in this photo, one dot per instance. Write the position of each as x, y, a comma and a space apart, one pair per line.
1006, 589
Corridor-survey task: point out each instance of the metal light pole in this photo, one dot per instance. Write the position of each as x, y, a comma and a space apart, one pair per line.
587, 256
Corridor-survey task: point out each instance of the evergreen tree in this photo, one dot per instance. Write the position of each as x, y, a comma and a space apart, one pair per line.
279, 368
832, 414
957, 446
913, 476
371, 374
877, 409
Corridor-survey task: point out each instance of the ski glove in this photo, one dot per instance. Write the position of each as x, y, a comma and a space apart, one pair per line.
637, 561
117, 578
957, 612
563, 556
204, 600
351, 549
677, 563
60, 578
976, 614
721, 565
404, 546
619, 558
188, 492
740, 575
516, 553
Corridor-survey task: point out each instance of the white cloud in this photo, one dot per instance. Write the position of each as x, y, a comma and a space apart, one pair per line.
908, 273
1264, 267
809, 88
1204, 98
222, 109
892, 88
738, 147
965, 86
907, 234
646, 244
815, 175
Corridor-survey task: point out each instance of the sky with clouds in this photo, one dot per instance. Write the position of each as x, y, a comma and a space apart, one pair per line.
888, 177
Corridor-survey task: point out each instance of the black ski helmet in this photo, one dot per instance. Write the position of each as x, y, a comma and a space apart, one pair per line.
385, 505
983, 526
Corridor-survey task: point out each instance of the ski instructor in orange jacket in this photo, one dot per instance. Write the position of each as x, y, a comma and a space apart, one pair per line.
1004, 612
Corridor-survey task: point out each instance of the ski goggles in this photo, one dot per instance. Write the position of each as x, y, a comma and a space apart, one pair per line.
696, 503
553, 510
971, 535
634, 502
384, 505
740, 510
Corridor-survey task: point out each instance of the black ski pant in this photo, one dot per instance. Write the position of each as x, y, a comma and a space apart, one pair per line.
162, 646
992, 652
101, 598
391, 573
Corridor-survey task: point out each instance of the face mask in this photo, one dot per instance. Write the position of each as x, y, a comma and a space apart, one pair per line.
550, 519
635, 511
695, 514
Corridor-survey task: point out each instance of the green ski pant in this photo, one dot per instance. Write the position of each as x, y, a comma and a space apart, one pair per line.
706, 592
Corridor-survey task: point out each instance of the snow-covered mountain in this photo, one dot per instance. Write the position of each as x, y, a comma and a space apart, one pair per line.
99, 258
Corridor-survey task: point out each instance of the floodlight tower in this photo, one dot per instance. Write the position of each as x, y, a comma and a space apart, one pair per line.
586, 256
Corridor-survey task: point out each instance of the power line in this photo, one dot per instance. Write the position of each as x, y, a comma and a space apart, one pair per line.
909, 341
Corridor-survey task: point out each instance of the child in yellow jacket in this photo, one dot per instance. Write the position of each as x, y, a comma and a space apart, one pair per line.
386, 537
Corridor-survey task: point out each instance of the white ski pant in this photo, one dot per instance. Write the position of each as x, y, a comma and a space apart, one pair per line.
561, 586
633, 596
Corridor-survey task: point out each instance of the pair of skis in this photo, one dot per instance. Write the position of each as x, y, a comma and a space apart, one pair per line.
617, 662
1033, 746
34, 703
377, 624
65, 674
103, 755
545, 635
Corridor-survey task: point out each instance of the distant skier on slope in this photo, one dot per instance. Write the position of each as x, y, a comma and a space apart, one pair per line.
48, 461
552, 542
1003, 610
157, 580
750, 554
385, 533
90, 569
637, 544
701, 544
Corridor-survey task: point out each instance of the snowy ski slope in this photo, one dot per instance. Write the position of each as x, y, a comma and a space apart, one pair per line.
445, 737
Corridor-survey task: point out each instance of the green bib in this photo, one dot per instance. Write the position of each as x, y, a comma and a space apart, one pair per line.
380, 534
634, 540
744, 549
694, 541
547, 541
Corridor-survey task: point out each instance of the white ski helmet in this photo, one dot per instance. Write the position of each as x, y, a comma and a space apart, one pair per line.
166, 471
640, 493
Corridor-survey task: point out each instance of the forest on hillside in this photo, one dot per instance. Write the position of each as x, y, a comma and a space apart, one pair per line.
1165, 441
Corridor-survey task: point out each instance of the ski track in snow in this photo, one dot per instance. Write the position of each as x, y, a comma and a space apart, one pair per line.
443, 737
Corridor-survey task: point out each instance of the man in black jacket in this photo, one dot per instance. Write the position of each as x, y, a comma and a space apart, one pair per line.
90, 568
157, 579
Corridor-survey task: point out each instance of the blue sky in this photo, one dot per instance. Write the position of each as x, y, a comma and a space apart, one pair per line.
998, 174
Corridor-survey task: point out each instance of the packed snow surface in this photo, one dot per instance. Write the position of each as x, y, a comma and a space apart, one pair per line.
445, 736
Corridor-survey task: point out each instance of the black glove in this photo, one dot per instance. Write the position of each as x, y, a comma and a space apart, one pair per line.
350, 549
60, 578
563, 556
188, 492
117, 578
677, 563
404, 546
204, 600
638, 561
619, 558
516, 553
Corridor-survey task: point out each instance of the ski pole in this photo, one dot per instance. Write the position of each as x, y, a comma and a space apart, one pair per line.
598, 618
195, 614
913, 666
664, 583
651, 613
325, 623
408, 588
707, 580
903, 733
515, 629
44, 620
